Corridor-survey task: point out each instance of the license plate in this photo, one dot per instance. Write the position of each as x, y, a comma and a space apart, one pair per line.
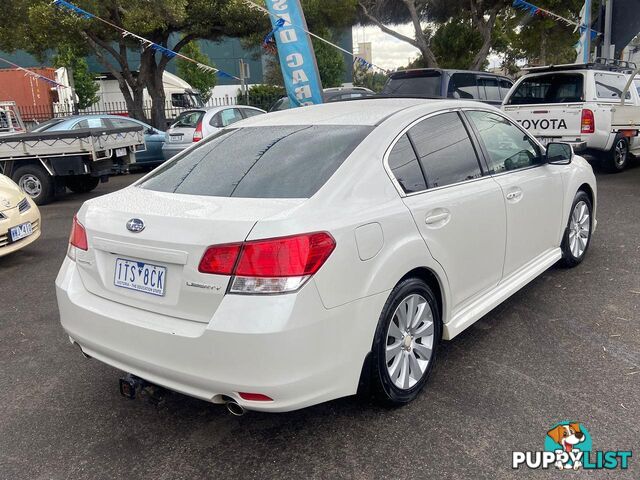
175, 138
121, 152
140, 276
20, 232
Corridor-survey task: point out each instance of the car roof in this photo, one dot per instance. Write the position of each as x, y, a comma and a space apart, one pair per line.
450, 70
369, 111
220, 107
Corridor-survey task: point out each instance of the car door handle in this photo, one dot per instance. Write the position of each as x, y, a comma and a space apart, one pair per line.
515, 195
441, 218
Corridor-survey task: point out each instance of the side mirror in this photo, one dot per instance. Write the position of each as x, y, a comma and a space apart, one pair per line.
559, 153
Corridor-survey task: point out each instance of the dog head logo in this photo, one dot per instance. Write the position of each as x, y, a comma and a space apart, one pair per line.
569, 441
567, 436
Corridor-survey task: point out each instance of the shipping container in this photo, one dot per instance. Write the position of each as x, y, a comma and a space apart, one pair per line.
28, 91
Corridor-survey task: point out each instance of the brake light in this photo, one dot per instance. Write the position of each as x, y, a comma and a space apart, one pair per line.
77, 238
587, 122
274, 265
220, 259
197, 135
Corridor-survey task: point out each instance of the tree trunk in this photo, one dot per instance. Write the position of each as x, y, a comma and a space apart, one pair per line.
158, 98
485, 27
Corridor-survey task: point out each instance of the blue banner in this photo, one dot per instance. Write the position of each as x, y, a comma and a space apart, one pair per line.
297, 59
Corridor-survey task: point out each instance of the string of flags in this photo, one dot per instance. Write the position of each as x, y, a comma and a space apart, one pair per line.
145, 43
32, 74
269, 39
534, 10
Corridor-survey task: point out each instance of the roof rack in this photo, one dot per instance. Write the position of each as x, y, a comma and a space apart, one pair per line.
608, 64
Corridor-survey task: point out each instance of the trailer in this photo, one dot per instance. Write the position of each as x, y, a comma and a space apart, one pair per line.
45, 164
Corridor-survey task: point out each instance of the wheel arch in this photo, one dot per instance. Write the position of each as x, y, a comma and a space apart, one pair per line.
433, 281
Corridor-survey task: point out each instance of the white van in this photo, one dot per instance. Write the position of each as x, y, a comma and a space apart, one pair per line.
573, 104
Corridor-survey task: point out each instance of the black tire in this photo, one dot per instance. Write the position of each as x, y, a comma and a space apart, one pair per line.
82, 183
618, 158
382, 386
569, 257
36, 182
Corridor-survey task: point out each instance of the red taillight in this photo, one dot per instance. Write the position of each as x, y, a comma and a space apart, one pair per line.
285, 257
273, 265
197, 135
220, 259
587, 122
78, 237
255, 397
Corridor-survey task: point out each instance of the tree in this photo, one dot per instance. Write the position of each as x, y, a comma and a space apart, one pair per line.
481, 14
369, 79
37, 26
537, 40
198, 79
85, 87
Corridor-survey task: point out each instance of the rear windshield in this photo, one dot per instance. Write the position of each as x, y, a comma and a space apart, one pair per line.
414, 83
188, 119
551, 88
260, 162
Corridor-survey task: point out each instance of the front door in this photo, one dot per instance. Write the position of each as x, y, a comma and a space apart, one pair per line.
533, 190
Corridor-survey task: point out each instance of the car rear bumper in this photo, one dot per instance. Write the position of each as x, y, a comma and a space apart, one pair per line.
288, 347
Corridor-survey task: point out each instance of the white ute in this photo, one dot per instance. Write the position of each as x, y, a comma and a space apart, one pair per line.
574, 104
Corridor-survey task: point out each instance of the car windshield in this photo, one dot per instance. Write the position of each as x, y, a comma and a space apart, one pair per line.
418, 83
551, 88
188, 119
260, 162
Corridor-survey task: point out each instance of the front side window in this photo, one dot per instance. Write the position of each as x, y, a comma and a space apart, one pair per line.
508, 147
610, 87
445, 150
260, 162
404, 165
505, 86
123, 123
549, 88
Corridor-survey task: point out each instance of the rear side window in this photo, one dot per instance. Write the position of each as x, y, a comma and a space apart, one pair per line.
420, 83
463, 85
505, 86
610, 87
489, 89
260, 162
403, 163
551, 88
188, 119
445, 150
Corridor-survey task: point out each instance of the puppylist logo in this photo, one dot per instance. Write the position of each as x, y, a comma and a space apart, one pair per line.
567, 446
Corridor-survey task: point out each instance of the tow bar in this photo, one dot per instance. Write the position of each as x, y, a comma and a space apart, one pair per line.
132, 387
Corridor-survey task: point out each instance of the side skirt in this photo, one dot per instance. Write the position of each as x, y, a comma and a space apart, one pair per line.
469, 314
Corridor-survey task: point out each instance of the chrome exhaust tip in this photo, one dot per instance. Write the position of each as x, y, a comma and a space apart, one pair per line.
235, 409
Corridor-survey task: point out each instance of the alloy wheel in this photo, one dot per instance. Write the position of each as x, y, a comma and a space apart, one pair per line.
579, 229
620, 154
410, 339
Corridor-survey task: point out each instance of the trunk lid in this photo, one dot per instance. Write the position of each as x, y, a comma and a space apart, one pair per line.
177, 230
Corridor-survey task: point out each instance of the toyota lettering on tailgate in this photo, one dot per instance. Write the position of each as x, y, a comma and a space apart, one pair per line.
544, 124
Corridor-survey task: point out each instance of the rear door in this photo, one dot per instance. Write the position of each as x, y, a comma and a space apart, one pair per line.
548, 105
533, 191
461, 213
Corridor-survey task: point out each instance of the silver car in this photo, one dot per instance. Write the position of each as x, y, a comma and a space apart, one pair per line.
194, 125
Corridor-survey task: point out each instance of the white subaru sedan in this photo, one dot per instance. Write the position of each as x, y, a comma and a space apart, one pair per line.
297, 256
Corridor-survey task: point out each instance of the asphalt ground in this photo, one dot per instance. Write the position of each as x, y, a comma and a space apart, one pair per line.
566, 347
